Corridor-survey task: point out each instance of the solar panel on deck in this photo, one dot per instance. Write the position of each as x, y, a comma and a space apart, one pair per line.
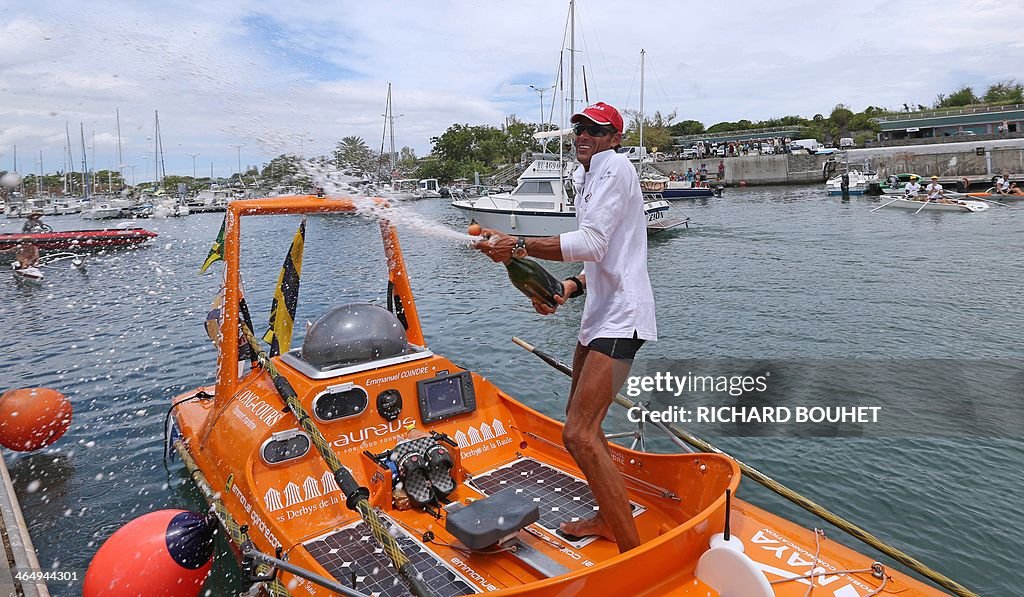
560, 496
352, 550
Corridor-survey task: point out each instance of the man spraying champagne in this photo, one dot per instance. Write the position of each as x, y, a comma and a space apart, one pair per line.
618, 315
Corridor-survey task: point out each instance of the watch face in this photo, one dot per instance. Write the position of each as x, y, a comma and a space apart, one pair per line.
520, 248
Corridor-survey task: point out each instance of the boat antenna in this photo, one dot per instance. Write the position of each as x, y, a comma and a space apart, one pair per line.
586, 91
384, 134
356, 496
728, 511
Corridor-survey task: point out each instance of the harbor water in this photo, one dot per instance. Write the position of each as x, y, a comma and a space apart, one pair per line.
762, 273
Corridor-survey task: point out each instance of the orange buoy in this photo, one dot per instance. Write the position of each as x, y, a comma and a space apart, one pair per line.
167, 553
32, 418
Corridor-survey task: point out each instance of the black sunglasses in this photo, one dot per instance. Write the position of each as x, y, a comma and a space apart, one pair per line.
594, 130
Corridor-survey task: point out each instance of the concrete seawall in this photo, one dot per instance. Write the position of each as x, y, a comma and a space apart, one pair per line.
807, 169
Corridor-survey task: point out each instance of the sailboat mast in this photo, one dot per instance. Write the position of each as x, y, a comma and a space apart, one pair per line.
642, 58
69, 156
85, 162
391, 121
572, 56
120, 156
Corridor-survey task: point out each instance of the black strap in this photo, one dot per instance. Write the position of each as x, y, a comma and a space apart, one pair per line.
580, 288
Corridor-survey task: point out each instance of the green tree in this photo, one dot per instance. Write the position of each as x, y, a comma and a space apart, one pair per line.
961, 97
687, 127
1005, 92
353, 155
520, 140
406, 161
656, 130
285, 169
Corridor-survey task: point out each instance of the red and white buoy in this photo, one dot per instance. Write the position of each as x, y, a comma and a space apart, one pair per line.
33, 418
167, 553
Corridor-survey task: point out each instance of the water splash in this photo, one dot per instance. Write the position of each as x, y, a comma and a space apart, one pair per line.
337, 185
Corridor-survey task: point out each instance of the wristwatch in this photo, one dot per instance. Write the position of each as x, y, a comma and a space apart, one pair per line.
520, 249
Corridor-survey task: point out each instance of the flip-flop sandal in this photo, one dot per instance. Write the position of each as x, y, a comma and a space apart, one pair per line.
439, 466
414, 478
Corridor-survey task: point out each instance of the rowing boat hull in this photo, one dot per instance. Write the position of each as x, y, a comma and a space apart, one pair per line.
79, 240
961, 206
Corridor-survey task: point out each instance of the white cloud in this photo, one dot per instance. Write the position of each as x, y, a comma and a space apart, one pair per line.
269, 73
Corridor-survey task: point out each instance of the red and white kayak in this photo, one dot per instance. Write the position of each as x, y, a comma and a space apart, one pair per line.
78, 240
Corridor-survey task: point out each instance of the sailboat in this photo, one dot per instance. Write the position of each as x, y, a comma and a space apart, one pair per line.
99, 208
655, 184
542, 202
164, 205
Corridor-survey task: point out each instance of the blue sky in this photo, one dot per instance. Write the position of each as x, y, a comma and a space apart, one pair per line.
290, 77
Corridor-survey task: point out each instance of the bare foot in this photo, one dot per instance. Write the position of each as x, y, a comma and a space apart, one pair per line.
587, 527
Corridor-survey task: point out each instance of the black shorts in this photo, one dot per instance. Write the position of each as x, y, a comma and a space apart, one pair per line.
623, 349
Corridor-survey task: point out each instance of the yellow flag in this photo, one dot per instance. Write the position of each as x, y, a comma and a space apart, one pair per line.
286, 296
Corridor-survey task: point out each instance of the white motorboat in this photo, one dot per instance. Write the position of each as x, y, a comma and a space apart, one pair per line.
858, 182
171, 207
428, 189
961, 205
214, 199
103, 210
542, 204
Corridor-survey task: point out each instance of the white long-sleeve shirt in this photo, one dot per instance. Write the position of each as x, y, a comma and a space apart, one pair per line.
612, 242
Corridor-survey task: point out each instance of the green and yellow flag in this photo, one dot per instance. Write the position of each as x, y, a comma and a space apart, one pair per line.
217, 250
279, 336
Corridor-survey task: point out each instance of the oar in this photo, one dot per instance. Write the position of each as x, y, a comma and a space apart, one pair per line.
356, 496
889, 203
784, 491
926, 202
968, 197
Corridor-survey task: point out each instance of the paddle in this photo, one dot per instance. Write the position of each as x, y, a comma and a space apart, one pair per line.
356, 495
926, 201
786, 492
889, 203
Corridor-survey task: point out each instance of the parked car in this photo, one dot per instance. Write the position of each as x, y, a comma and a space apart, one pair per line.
767, 149
965, 134
847, 143
690, 153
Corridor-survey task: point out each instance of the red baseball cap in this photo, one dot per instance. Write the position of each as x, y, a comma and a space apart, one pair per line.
600, 113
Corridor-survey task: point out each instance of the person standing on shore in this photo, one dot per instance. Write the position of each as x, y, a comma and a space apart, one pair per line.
721, 170
618, 315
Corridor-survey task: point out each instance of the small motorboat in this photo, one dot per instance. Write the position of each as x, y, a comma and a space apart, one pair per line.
79, 240
309, 463
857, 183
961, 205
28, 275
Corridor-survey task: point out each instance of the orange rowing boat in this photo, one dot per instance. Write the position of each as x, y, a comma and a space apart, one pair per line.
309, 456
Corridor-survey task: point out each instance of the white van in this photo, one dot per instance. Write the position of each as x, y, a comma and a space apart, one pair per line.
635, 153
811, 145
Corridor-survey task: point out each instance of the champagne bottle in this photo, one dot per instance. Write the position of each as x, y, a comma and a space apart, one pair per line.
533, 280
